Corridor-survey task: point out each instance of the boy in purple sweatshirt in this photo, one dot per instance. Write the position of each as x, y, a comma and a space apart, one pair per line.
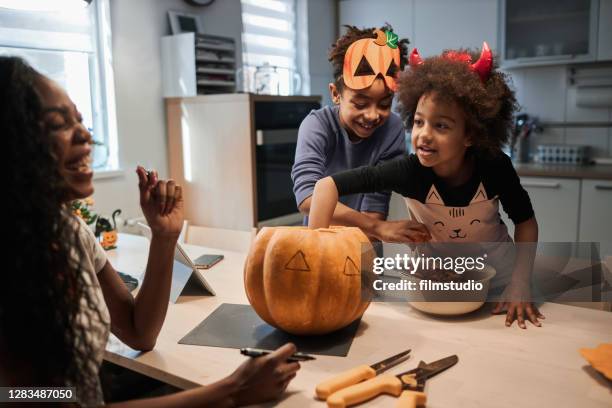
359, 129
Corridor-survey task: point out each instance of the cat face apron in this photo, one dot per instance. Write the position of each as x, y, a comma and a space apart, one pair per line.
478, 222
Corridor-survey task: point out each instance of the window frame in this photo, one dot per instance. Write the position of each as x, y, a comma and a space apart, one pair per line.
101, 76
299, 38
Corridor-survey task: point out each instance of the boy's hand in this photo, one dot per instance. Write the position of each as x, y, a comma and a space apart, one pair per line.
404, 231
516, 303
161, 202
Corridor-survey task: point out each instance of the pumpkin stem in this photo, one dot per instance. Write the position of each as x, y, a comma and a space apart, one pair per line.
326, 230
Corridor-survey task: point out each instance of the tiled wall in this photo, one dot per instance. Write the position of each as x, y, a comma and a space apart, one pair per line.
546, 93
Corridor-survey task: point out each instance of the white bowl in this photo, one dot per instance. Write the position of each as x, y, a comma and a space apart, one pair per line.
466, 301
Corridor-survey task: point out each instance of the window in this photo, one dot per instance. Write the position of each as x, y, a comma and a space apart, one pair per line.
69, 41
269, 41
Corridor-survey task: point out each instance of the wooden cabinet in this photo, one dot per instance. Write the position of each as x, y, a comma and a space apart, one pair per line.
213, 142
555, 202
211, 157
595, 209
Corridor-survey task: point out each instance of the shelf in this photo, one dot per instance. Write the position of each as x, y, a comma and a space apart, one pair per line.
198, 65
549, 17
206, 82
216, 61
206, 70
229, 48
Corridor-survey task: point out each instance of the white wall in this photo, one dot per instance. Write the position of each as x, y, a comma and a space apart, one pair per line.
321, 34
137, 26
369, 13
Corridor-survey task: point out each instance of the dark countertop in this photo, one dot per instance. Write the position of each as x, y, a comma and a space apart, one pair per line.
593, 171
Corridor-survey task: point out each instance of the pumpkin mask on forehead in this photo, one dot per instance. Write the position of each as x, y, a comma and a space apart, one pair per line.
368, 58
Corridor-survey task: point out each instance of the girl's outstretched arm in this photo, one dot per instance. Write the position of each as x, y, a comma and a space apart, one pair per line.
324, 205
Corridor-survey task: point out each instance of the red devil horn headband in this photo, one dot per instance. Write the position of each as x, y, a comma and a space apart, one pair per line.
415, 59
484, 64
482, 67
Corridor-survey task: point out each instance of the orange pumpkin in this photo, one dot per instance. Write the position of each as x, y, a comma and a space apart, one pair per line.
307, 281
109, 239
368, 58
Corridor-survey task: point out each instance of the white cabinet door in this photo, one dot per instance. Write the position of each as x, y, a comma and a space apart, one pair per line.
595, 207
555, 202
604, 38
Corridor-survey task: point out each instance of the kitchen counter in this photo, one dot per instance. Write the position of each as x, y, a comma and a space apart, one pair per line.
595, 171
498, 366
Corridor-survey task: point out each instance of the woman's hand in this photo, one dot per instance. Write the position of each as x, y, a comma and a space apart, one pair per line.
516, 303
404, 231
161, 202
264, 378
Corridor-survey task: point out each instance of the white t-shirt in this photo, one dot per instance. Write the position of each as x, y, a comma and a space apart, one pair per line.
95, 317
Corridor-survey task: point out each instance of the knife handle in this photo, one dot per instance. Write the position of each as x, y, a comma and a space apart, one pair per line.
382, 384
344, 379
411, 399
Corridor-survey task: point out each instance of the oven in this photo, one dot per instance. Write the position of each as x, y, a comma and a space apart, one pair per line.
276, 130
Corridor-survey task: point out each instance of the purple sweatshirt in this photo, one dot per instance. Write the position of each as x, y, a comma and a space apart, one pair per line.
324, 148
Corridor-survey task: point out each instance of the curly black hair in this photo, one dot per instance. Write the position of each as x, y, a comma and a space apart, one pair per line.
488, 106
342, 44
44, 288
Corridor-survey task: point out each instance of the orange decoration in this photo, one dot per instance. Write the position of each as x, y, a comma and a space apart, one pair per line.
109, 239
600, 358
307, 281
368, 58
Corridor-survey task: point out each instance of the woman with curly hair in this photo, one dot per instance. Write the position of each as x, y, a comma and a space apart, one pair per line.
359, 129
59, 296
461, 113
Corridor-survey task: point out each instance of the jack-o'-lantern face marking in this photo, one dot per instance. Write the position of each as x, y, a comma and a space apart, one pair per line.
350, 268
369, 58
298, 263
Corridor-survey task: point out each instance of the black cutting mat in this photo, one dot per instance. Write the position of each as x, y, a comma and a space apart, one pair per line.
238, 326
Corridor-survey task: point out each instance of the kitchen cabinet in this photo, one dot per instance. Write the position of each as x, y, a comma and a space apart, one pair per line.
550, 31
595, 207
556, 203
413, 19
230, 154
604, 37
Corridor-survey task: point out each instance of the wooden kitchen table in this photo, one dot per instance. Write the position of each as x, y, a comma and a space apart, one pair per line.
498, 366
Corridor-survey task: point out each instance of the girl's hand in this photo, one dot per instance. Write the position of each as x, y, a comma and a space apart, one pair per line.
404, 231
264, 378
161, 202
516, 303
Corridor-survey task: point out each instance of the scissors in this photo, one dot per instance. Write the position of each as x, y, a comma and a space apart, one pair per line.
358, 374
408, 386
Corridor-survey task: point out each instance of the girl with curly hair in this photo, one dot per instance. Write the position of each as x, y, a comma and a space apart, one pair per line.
460, 112
359, 129
59, 296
